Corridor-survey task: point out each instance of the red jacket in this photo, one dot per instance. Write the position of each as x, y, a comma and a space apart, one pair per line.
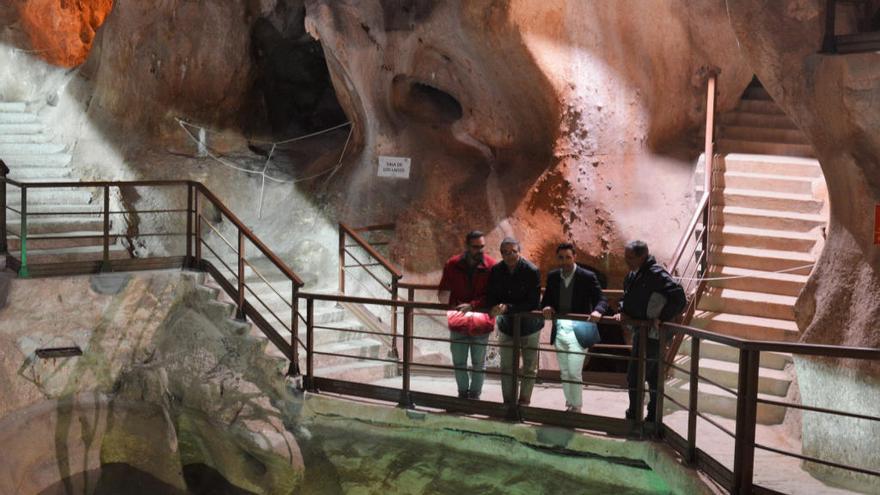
461, 287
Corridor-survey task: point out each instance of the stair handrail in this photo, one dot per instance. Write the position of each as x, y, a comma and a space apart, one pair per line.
702, 214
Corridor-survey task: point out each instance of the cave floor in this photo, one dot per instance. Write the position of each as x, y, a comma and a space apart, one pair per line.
774, 471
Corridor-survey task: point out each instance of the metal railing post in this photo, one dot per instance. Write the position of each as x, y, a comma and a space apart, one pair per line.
293, 369
514, 411
693, 400
394, 297
240, 312
189, 226
197, 217
405, 399
310, 345
341, 260
105, 262
829, 42
709, 153
23, 269
640, 375
746, 418
4, 245
660, 386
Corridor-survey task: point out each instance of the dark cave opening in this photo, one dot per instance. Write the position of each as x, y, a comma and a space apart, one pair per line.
423, 102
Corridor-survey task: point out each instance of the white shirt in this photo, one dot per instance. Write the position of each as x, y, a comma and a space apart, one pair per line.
566, 279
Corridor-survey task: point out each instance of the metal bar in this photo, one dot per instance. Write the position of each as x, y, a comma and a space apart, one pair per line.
97, 184
220, 259
197, 208
405, 399
4, 246
514, 412
310, 345
266, 307
818, 461
818, 409
693, 400
660, 387
265, 281
23, 269
375, 277
293, 369
106, 257
829, 44
370, 250
341, 260
640, 376
746, 415
189, 223
394, 297
240, 314
216, 231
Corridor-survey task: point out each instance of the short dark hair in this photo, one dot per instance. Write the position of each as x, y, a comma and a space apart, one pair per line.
474, 234
565, 245
638, 248
509, 240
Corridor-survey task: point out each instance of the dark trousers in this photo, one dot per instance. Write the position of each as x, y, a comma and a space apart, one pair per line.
652, 351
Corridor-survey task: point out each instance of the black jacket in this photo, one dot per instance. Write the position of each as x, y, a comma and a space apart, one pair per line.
520, 290
586, 294
640, 284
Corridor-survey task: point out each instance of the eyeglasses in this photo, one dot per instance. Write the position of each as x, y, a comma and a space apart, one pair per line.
477, 246
509, 252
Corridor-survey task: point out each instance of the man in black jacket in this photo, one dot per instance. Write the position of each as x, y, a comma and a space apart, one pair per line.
515, 287
649, 293
572, 289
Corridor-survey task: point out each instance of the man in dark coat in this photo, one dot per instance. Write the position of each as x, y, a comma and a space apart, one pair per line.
649, 293
572, 289
515, 287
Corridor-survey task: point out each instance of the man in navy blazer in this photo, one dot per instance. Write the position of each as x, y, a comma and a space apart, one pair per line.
572, 289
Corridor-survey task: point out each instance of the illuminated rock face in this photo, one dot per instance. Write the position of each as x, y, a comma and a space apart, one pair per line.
62, 31
550, 121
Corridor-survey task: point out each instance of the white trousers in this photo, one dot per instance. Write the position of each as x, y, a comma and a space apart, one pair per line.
570, 365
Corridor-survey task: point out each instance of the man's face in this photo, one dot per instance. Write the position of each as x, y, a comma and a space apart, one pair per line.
565, 258
633, 261
510, 254
475, 248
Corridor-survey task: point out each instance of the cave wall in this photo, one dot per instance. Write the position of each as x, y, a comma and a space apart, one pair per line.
550, 121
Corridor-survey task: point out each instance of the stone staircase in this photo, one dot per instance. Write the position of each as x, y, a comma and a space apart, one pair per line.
338, 332
767, 215
27, 147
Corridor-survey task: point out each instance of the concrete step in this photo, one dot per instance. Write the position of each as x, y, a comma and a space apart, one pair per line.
13, 106
714, 350
40, 174
762, 134
771, 164
71, 254
714, 400
766, 182
362, 348
782, 240
770, 200
362, 372
726, 145
48, 160
26, 128
56, 224
759, 106
30, 148
760, 304
326, 333
752, 119
17, 118
784, 284
767, 219
25, 138
770, 381
49, 196
768, 260
60, 240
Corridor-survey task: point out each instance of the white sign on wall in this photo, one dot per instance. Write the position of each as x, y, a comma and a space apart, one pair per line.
394, 166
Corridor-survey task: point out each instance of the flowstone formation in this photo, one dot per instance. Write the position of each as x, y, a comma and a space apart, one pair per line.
551, 121
62, 32
169, 391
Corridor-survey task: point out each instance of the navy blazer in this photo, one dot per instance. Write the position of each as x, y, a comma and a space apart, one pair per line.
586, 294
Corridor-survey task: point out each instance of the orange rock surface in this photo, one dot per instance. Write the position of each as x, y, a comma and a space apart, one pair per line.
62, 31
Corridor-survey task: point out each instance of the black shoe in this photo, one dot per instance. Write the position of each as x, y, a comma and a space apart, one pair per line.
629, 414
473, 396
463, 395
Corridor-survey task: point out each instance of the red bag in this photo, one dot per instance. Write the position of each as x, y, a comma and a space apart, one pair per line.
470, 323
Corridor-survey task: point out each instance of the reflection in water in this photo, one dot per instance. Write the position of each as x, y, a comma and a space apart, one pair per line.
122, 479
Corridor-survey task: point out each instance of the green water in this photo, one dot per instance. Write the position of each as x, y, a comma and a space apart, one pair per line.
356, 462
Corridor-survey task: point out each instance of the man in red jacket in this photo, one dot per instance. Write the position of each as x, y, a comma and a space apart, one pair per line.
463, 286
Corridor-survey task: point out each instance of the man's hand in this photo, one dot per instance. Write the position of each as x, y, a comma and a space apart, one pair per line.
621, 317
548, 312
498, 309
595, 316
464, 308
